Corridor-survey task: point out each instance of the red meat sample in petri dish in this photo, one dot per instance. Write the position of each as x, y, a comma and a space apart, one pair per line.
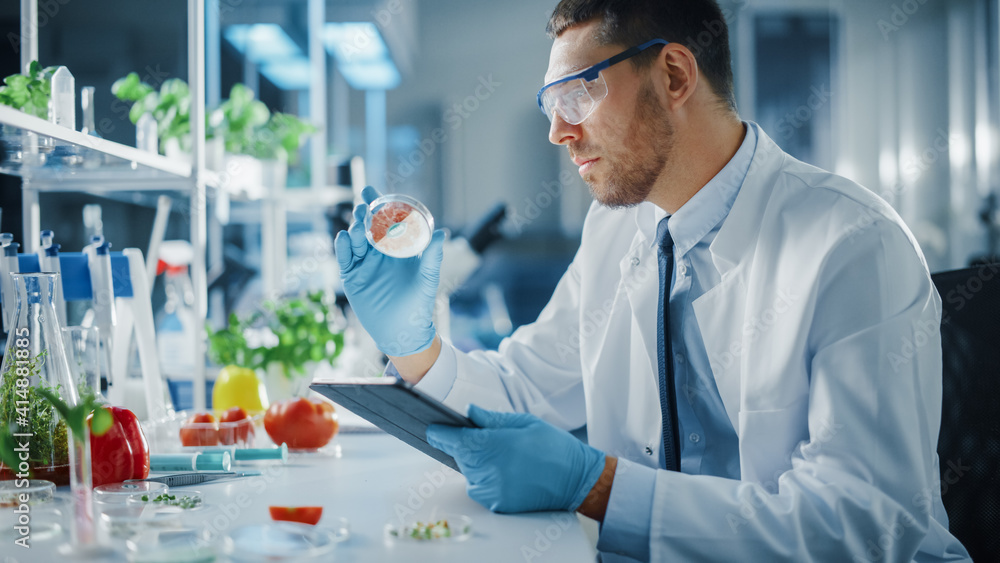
399, 226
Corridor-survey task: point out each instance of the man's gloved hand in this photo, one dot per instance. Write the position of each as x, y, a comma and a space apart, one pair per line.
392, 297
520, 463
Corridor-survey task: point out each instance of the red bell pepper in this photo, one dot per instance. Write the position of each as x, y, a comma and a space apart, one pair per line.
120, 453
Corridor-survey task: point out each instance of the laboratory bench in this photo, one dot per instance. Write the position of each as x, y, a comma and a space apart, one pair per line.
370, 479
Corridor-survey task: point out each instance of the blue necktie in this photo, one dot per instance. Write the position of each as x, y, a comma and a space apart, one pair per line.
664, 357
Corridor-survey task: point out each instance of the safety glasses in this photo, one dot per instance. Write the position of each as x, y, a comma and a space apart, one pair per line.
575, 97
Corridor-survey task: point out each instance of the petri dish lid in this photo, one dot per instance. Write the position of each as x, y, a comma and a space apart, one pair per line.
120, 493
38, 490
399, 226
282, 541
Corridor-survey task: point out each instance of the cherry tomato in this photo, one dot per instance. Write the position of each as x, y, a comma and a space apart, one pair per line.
235, 427
200, 430
304, 514
301, 423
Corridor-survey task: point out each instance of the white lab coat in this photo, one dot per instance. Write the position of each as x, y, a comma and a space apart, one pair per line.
823, 337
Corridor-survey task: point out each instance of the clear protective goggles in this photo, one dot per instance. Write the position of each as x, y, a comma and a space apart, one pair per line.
576, 96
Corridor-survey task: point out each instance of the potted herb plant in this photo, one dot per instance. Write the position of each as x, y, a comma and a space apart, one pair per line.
237, 384
259, 144
29, 92
170, 106
288, 339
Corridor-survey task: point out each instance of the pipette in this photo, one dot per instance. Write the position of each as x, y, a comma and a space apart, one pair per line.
48, 261
104, 310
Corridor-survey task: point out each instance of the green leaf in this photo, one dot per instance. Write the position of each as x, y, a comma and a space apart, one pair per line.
131, 88
17, 81
74, 417
57, 403
102, 421
34, 69
7, 446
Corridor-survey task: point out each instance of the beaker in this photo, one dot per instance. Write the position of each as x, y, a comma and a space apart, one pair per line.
83, 352
35, 358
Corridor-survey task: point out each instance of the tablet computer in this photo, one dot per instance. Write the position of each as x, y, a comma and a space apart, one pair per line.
396, 407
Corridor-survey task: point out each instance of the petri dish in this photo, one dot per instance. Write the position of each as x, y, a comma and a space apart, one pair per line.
283, 541
127, 520
38, 490
184, 501
183, 545
120, 493
439, 528
399, 226
48, 511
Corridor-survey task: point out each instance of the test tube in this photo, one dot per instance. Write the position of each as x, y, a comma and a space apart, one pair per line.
87, 105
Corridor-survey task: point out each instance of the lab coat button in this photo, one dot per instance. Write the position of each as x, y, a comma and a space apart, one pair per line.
635, 261
694, 437
681, 268
679, 358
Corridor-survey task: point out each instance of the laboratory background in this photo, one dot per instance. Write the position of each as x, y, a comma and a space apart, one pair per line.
229, 140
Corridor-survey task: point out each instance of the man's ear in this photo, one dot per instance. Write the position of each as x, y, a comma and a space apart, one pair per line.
679, 69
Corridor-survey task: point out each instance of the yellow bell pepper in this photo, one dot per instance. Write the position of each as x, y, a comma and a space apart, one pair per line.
239, 387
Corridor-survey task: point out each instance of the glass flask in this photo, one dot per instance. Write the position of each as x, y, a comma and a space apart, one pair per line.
36, 357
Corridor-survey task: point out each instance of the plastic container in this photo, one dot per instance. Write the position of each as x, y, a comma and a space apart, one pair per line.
164, 434
239, 434
399, 226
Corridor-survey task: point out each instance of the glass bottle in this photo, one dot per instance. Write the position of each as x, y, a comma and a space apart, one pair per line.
87, 106
36, 357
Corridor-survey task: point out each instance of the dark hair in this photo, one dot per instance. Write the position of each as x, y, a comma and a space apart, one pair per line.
697, 24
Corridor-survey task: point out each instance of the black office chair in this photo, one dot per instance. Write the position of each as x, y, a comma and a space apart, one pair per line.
969, 444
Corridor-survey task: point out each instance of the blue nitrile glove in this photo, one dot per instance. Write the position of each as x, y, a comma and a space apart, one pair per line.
516, 462
392, 297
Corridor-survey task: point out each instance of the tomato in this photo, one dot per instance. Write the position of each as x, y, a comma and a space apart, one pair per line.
120, 453
304, 514
200, 430
301, 423
235, 427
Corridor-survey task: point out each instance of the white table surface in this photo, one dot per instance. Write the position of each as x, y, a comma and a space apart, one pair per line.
374, 478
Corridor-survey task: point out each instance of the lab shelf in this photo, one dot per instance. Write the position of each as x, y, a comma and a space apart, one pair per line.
56, 159
64, 155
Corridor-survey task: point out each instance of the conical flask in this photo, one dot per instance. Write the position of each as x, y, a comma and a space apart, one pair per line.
36, 357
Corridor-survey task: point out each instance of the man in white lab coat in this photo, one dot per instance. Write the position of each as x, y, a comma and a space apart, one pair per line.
752, 342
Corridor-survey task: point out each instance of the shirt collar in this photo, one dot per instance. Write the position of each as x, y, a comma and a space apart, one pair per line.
708, 207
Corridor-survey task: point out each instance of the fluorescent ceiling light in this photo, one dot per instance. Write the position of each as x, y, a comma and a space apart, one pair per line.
262, 42
362, 55
292, 73
381, 75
